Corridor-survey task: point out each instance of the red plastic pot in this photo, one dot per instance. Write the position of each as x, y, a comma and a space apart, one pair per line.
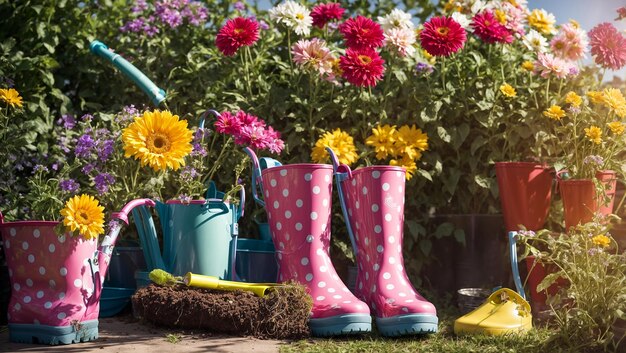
580, 201
536, 273
525, 193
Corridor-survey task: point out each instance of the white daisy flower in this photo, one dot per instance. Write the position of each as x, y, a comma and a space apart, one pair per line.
396, 19
462, 19
401, 39
293, 16
534, 41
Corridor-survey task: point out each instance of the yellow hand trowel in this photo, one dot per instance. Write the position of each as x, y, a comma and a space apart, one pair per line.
504, 312
209, 282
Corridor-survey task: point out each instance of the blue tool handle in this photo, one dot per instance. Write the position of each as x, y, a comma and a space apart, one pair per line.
156, 94
343, 172
514, 266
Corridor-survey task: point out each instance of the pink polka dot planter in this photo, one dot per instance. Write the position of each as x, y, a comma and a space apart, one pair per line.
297, 199
373, 204
56, 282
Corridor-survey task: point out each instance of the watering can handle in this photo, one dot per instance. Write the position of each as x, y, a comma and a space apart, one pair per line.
156, 94
204, 116
123, 213
514, 266
256, 173
343, 172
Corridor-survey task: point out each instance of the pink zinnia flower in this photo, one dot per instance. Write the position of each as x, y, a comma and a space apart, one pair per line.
362, 68
515, 18
487, 28
401, 40
324, 13
621, 13
608, 46
228, 123
570, 43
442, 36
236, 33
313, 54
547, 65
361, 33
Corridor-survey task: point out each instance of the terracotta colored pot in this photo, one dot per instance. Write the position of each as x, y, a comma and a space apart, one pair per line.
525, 193
580, 201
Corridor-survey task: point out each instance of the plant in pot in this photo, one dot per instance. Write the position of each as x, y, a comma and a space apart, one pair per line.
589, 282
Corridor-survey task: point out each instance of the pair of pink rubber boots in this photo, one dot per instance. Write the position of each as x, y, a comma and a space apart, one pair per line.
298, 203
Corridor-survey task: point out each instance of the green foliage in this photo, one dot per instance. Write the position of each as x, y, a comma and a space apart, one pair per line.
587, 258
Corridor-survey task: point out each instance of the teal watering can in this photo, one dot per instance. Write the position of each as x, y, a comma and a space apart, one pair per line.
199, 236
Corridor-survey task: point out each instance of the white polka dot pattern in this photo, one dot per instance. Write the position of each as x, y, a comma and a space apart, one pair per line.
381, 280
49, 266
299, 211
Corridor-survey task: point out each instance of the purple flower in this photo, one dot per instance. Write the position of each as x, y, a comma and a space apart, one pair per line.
86, 117
106, 149
597, 160
184, 198
69, 185
424, 68
140, 6
189, 173
198, 150
134, 26
263, 25
67, 121
64, 144
103, 181
55, 166
573, 109
88, 168
239, 6
169, 16
83, 146
525, 233
40, 168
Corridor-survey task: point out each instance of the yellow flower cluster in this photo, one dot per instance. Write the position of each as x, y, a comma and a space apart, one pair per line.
573, 99
594, 134
613, 99
508, 90
542, 21
83, 214
601, 240
340, 142
11, 97
528, 65
616, 127
405, 145
554, 112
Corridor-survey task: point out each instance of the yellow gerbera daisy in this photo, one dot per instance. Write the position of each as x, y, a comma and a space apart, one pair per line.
574, 23
11, 97
614, 100
340, 142
594, 134
528, 65
595, 97
616, 127
508, 90
158, 139
382, 139
411, 141
543, 21
407, 163
500, 16
572, 98
554, 112
83, 214
601, 240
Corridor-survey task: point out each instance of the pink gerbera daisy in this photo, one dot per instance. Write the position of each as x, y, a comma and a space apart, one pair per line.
608, 46
361, 33
362, 67
236, 33
442, 36
324, 13
228, 123
487, 28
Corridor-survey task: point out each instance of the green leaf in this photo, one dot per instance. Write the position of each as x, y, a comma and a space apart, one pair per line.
443, 134
444, 230
483, 181
426, 246
425, 174
459, 235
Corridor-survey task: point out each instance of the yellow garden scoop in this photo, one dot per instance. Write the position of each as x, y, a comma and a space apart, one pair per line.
504, 312
163, 278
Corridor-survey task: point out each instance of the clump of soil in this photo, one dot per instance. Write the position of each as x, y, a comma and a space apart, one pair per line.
281, 314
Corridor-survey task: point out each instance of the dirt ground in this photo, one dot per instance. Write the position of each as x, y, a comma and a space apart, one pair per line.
125, 334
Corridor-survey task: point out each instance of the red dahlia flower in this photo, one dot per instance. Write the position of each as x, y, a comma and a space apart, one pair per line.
324, 13
237, 33
608, 46
362, 67
487, 27
361, 33
442, 36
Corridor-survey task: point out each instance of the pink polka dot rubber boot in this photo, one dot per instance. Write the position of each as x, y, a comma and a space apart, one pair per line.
298, 204
374, 205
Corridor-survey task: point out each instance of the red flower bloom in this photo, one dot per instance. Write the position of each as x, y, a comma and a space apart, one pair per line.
608, 46
621, 13
235, 34
362, 68
324, 13
487, 28
361, 33
442, 36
